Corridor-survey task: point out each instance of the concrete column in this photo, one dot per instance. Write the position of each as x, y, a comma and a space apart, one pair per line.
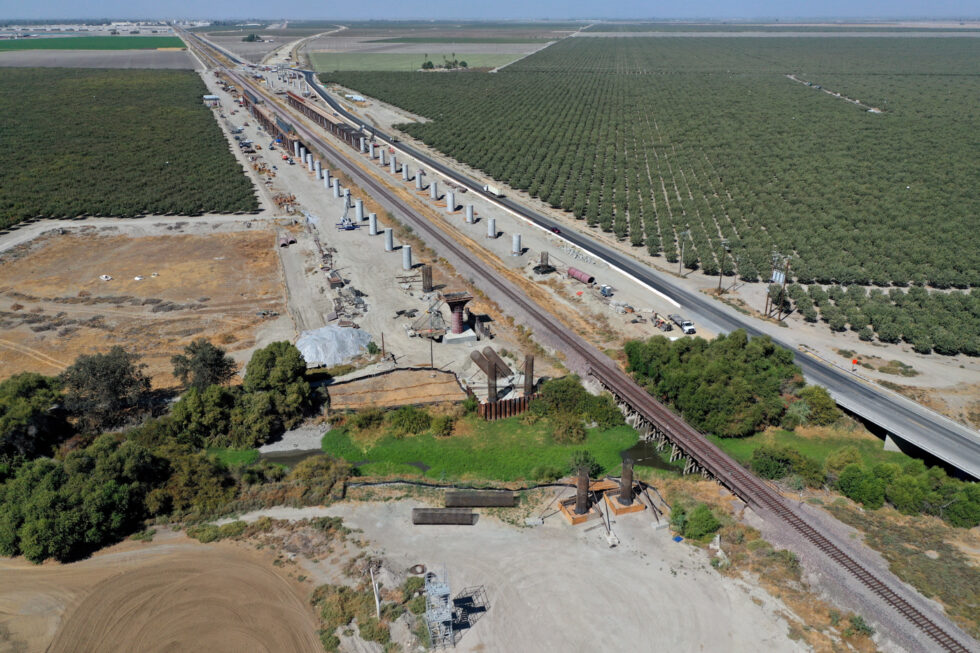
363, 149
336, 188
359, 210
389, 240
450, 201
372, 224
384, 157
302, 154
515, 248
434, 189
404, 172
393, 165
326, 179
371, 150
406, 257
296, 149
317, 169
469, 214
309, 162
418, 180
626, 485
491, 227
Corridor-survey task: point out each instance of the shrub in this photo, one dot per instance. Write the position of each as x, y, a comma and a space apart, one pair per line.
409, 420
567, 429
366, 418
411, 586
583, 458
823, 409
373, 348
774, 462
700, 523
841, 458
443, 425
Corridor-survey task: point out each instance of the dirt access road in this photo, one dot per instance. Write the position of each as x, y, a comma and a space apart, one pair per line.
173, 594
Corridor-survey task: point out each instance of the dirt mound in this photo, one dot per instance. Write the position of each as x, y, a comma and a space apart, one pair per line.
173, 594
198, 602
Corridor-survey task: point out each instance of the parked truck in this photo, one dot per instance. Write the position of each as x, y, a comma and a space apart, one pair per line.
493, 190
686, 325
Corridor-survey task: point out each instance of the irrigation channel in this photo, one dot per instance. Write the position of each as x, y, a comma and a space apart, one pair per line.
641, 408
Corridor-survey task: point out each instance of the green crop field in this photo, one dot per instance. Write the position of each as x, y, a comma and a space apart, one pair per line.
446, 40
94, 43
386, 61
112, 143
681, 143
505, 450
758, 27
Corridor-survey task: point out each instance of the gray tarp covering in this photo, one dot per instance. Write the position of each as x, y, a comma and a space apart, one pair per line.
331, 345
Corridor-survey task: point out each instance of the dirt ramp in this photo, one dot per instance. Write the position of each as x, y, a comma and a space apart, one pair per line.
199, 602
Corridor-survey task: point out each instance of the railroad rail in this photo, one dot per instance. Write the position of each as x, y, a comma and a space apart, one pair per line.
710, 457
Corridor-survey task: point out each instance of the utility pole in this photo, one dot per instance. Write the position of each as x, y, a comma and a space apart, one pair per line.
721, 265
683, 236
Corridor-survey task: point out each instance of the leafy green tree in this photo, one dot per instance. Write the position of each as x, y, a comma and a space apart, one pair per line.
102, 388
29, 420
841, 458
203, 364
65, 510
731, 386
823, 409
567, 428
279, 370
203, 417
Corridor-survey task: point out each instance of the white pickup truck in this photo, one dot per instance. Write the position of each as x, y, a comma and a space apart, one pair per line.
686, 325
493, 190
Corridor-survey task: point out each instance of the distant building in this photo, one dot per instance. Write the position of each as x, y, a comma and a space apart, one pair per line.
212, 100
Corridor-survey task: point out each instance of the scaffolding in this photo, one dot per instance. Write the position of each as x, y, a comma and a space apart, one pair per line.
439, 610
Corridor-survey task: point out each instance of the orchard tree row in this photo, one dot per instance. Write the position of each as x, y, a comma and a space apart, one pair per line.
112, 143
947, 323
703, 148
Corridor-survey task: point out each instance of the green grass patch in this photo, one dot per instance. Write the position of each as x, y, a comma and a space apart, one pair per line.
231, 457
505, 450
387, 61
815, 447
94, 43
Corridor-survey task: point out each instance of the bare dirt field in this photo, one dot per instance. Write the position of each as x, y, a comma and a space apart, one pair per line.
173, 594
253, 51
173, 59
54, 305
396, 388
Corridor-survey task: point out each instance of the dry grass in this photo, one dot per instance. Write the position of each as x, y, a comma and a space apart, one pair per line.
204, 286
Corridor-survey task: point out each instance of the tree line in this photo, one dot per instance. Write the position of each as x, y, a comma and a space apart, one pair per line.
85, 459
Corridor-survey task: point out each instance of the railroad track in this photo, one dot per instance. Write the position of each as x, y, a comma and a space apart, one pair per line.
693, 443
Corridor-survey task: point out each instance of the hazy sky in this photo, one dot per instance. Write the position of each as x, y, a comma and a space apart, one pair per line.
492, 9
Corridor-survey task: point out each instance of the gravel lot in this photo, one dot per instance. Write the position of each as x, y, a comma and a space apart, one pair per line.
559, 588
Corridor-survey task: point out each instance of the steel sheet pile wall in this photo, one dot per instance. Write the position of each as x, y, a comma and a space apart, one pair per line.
505, 408
458, 516
480, 499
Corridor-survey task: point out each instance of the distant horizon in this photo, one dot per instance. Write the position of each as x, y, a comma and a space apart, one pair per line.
763, 20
